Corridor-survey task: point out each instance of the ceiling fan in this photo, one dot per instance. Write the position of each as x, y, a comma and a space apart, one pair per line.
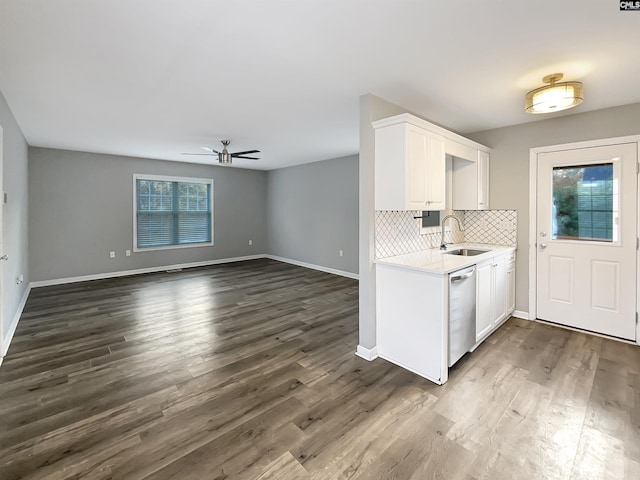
224, 157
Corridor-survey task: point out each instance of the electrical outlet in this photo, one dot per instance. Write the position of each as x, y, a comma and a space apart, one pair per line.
19, 279
127, 253
112, 254
340, 252
250, 242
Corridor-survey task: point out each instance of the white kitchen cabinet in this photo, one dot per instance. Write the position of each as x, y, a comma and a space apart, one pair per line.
483, 180
436, 194
411, 310
510, 260
492, 294
409, 167
413, 305
470, 182
484, 299
499, 291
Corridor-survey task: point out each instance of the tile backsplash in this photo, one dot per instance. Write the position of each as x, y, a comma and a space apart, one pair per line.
397, 232
495, 227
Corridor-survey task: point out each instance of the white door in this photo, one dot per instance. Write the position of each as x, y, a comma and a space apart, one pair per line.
586, 238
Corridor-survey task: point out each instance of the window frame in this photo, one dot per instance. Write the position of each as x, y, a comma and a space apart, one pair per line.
615, 208
169, 178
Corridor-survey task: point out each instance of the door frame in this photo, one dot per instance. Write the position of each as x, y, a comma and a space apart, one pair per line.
533, 212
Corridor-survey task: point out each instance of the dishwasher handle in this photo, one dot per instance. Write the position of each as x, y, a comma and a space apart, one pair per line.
468, 274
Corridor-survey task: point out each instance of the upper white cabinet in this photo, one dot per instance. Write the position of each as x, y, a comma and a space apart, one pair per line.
470, 181
409, 168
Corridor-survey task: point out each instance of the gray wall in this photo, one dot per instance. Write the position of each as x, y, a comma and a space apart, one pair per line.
15, 232
509, 168
312, 213
81, 207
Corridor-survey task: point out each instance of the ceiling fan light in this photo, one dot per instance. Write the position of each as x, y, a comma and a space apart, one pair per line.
224, 157
554, 97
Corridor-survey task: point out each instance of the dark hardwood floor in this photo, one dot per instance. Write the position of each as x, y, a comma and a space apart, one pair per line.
247, 371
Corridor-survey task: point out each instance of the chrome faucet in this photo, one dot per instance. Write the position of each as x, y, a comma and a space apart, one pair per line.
443, 246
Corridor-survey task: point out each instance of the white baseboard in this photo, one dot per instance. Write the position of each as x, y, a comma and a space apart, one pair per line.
334, 271
520, 314
124, 273
14, 324
367, 353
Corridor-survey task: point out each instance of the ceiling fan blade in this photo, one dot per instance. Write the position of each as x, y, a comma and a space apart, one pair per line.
247, 158
206, 154
235, 154
210, 150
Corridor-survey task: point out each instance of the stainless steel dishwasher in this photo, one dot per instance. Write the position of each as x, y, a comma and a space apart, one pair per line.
462, 312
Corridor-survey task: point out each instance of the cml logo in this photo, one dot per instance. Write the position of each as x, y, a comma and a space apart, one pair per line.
629, 5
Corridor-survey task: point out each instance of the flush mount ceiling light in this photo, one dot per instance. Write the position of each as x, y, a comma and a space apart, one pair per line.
555, 96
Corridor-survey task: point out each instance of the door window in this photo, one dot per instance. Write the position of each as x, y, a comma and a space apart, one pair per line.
585, 203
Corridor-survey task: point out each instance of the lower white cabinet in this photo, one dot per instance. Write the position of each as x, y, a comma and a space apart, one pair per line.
495, 284
499, 290
510, 266
484, 299
411, 311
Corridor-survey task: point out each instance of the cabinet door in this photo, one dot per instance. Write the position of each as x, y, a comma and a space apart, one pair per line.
435, 173
511, 288
483, 180
409, 169
484, 301
499, 290
417, 168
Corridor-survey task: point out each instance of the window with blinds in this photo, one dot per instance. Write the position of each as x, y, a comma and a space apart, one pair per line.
172, 212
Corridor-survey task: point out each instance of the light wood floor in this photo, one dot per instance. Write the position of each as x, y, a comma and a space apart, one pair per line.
247, 371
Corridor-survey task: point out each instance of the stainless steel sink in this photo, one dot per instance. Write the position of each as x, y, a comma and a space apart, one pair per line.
465, 252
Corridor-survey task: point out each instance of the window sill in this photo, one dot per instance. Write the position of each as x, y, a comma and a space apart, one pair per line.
172, 247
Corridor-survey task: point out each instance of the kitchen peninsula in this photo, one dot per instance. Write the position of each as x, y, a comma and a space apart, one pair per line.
412, 304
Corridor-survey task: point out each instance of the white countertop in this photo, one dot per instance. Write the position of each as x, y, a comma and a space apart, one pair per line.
436, 261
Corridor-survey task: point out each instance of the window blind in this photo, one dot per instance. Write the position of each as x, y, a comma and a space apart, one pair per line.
171, 212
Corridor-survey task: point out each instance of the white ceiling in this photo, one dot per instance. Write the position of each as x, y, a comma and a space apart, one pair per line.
154, 78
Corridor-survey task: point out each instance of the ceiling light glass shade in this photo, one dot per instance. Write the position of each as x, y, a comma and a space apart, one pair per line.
555, 96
